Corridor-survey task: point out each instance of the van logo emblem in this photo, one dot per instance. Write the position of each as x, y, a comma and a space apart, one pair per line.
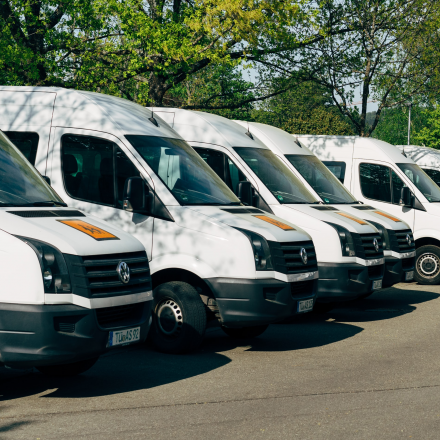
408, 239
376, 244
123, 272
303, 255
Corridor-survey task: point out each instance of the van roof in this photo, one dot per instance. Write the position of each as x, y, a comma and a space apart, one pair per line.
79, 109
278, 140
423, 156
336, 147
201, 127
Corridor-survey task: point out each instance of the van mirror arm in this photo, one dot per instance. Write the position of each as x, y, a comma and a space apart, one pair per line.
417, 205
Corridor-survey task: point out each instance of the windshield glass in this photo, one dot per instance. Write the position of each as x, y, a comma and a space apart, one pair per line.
183, 171
281, 182
20, 183
321, 179
422, 181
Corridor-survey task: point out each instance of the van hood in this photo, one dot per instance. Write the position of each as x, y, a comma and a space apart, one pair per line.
201, 218
368, 212
70, 231
331, 214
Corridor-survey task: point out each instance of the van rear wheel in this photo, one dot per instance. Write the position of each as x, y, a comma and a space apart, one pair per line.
427, 265
68, 370
179, 318
245, 332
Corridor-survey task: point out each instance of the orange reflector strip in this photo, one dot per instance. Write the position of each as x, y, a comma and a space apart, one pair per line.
384, 214
91, 230
355, 219
280, 225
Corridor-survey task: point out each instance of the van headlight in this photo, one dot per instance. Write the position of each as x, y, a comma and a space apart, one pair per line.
56, 278
261, 250
384, 235
346, 239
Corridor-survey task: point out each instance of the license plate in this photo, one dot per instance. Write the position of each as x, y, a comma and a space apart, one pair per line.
123, 337
409, 275
377, 284
305, 306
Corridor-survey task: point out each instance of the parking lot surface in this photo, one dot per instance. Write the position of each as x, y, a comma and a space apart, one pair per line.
366, 370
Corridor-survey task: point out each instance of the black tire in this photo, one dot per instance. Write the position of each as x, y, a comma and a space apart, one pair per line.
245, 332
179, 318
67, 370
320, 308
427, 269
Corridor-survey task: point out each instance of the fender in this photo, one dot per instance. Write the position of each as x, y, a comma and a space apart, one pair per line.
427, 234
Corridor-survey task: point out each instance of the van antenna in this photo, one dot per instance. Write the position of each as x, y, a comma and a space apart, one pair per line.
153, 119
248, 133
403, 152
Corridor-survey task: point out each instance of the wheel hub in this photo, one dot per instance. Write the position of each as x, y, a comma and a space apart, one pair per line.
169, 317
428, 265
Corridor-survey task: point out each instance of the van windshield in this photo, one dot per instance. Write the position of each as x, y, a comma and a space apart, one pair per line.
20, 183
321, 179
183, 171
280, 181
422, 181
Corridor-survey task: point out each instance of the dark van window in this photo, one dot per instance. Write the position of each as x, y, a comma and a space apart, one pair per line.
26, 142
89, 164
337, 168
433, 174
375, 181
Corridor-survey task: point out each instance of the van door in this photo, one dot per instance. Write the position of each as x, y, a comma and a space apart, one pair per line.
379, 185
88, 169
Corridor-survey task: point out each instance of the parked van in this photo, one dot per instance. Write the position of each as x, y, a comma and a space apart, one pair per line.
397, 237
348, 249
380, 174
427, 159
72, 286
212, 259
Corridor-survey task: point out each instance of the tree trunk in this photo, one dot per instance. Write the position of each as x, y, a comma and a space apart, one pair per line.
157, 89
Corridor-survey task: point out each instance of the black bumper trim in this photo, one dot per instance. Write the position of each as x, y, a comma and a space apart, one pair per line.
243, 303
30, 335
395, 272
342, 282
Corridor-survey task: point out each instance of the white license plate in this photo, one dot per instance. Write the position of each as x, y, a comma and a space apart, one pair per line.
409, 275
305, 306
377, 284
122, 337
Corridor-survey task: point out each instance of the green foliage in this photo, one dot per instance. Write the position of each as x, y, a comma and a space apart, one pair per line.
304, 109
429, 135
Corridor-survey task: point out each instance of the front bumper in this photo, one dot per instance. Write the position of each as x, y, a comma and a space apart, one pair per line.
246, 303
396, 270
37, 335
342, 282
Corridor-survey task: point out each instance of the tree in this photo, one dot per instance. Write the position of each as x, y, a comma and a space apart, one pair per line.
388, 56
429, 135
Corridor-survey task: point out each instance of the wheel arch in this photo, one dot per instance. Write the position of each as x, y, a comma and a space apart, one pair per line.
425, 241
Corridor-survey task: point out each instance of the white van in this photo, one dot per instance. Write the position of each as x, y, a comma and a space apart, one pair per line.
72, 286
379, 173
427, 159
212, 259
349, 249
397, 237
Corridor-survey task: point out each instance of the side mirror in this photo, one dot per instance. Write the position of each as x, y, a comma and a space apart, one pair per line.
245, 193
135, 191
47, 179
405, 197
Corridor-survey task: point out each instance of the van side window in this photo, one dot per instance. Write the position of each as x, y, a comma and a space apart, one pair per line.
26, 142
337, 168
124, 169
375, 181
433, 174
223, 166
87, 167
397, 185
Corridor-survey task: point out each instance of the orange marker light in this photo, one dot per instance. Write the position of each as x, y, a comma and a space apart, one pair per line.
355, 219
91, 230
384, 214
280, 225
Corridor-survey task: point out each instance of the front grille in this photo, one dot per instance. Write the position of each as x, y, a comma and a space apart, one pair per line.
96, 275
119, 316
47, 213
286, 256
408, 263
398, 241
375, 271
301, 289
364, 246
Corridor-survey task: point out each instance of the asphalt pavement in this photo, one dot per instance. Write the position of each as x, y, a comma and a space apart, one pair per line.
367, 370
